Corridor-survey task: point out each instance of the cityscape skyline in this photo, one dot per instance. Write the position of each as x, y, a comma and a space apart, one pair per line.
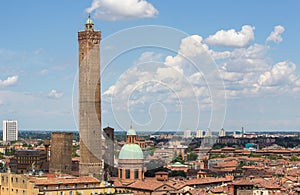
256, 58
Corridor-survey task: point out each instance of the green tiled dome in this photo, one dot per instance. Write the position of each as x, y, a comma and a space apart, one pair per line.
89, 20
131, 132
131, 151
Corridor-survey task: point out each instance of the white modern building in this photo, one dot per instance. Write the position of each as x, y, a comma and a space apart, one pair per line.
222, 133
187, 133
199, 133
208, 133
10, 130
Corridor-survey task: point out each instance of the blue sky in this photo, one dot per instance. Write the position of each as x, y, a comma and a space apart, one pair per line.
250, 47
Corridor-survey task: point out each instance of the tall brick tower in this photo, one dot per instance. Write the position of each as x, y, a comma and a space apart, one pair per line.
61, 152
90, 102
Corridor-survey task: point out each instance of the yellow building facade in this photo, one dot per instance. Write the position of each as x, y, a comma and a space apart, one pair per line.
51, 184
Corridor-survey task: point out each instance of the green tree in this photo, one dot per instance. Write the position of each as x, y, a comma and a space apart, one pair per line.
192, 156
177, 173
150, 150
25, 145
294, 158
242, 163
74, 149
178, 159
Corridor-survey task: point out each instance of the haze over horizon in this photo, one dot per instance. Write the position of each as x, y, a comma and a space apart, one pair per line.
250, 47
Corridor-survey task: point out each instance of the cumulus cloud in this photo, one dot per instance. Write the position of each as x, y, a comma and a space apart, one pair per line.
247, 71
122, 9
177, 83
232, 38
54, 94
275, 35
281, 74
9, 81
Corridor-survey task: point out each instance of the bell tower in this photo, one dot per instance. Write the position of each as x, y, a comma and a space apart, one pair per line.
91, 161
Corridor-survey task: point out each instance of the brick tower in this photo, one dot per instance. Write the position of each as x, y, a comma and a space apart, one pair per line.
109, 150
61, 152
90, 102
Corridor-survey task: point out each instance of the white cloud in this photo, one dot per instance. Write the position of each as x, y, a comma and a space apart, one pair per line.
37, 51
247, 71
9, 81
44, 71
231, 38
122, 9
281, 74
176, 83
149, 57
275, 35
250, 59
54, 94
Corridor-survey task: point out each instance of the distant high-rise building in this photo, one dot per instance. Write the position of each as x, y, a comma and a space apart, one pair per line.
222, 133
187, 133
208, 133
199, 133
10, 130
91, 161
61, 152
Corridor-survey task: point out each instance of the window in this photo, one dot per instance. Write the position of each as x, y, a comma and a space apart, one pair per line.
127, 174
121, 173
136, 174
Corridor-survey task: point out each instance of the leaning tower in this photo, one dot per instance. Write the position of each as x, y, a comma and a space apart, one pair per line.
90, 102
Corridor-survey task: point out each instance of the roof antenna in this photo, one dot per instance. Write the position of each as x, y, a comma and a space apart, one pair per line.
130, 124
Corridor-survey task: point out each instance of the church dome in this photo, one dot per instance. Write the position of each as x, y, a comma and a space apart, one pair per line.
131, 131
131, 151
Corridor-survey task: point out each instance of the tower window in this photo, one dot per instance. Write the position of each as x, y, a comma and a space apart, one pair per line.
136, 174
127, 174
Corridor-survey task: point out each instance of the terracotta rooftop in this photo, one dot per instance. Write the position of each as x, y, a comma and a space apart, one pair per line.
51, 179
207, 180
147, 184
